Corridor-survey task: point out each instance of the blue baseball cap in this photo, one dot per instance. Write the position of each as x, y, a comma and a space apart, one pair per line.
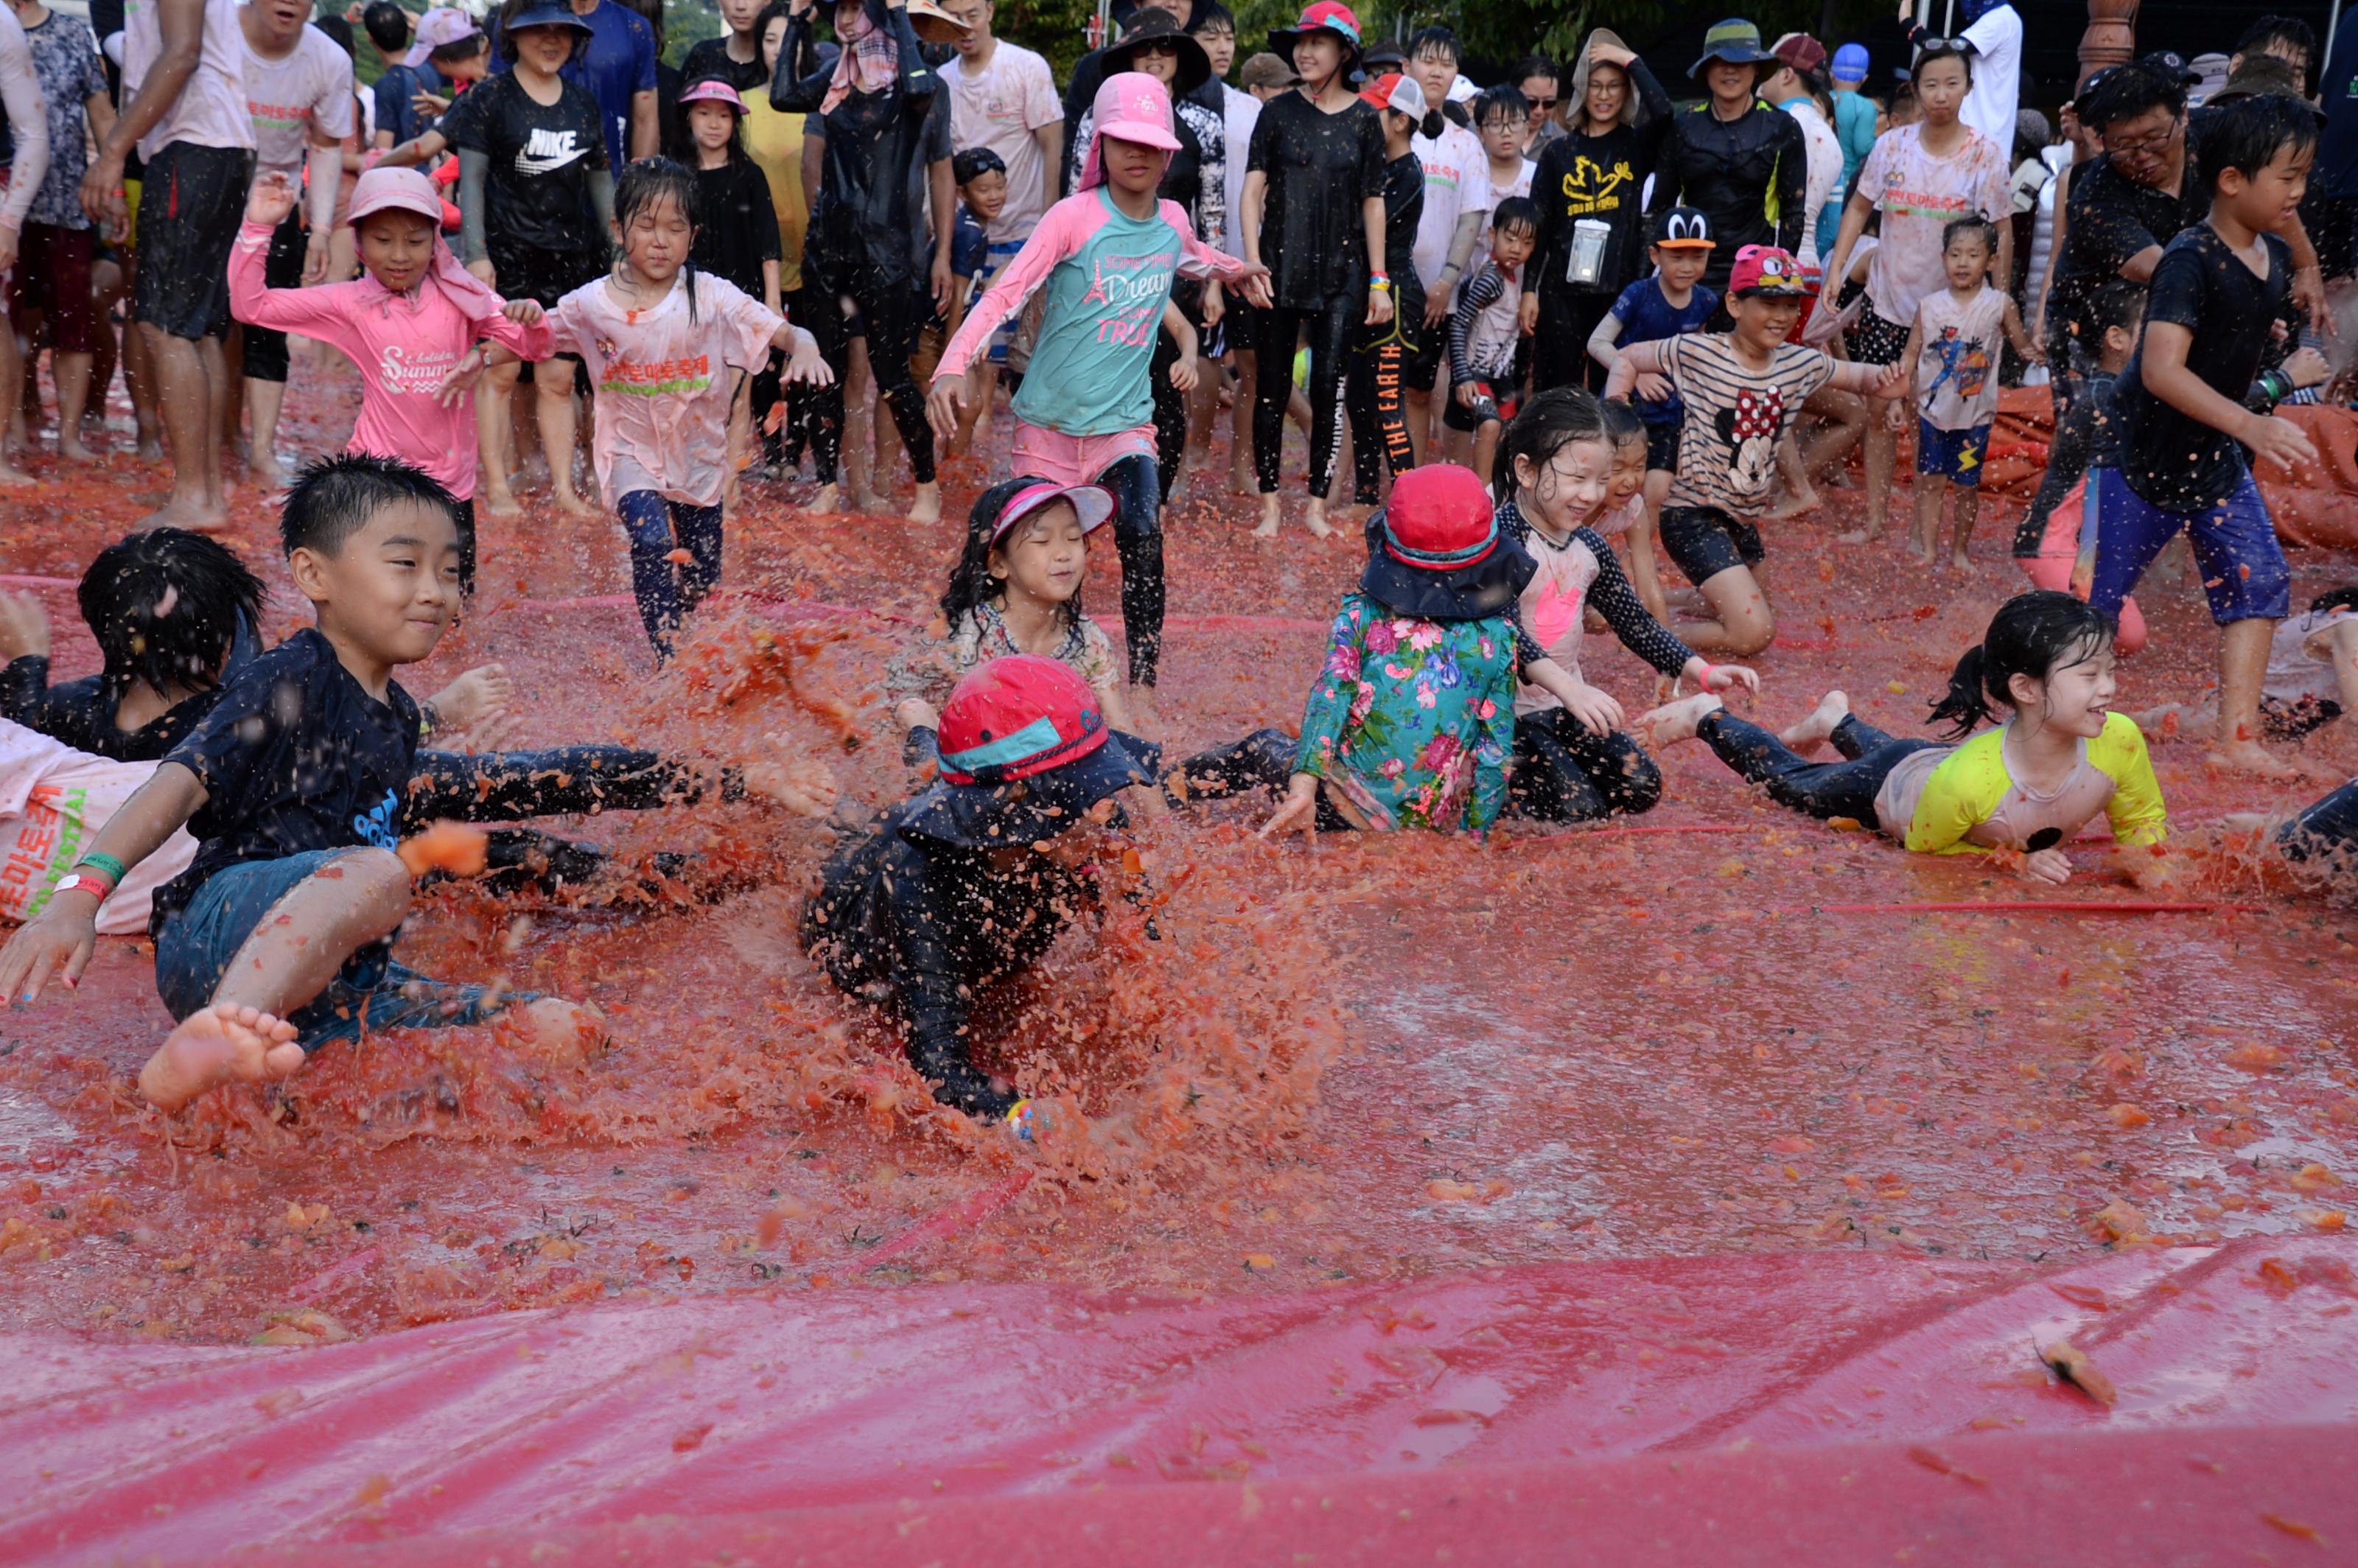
1850, 64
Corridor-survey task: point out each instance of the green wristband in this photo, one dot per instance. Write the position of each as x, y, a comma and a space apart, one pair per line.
113, 868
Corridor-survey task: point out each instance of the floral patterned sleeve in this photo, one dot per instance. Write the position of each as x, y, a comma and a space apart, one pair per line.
1096, 663
1336, 691
1494, 744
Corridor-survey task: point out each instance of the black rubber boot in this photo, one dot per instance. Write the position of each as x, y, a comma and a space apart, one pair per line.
956, 1081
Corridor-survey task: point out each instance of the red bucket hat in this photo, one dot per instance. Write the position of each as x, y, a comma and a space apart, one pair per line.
1435, 551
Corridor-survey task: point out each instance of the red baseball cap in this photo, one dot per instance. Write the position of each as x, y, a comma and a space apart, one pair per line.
1767, 272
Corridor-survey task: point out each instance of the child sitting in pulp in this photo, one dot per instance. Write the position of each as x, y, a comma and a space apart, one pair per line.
2311, 680
277, 938
1741, 390
1573, 762
2061, 756
1954, 346
1484, 335
1016, 589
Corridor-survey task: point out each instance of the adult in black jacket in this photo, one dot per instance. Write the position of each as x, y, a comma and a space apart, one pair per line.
875, 103
1742, 162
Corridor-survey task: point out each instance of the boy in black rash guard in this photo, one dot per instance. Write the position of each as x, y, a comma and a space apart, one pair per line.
1742, 162
1374, 392
164, 673
2182, 427
974, 879
532, 168
277, 938
876, 104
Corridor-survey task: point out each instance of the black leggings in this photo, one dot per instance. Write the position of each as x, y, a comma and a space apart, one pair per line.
1138, 535
1373, 393
1169, 403
1566, 773
503, 786
1822, 789
2329, 828
893, 310
1330, 334
1262, 761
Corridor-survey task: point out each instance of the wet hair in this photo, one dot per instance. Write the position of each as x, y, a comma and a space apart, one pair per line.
2116, 302
2129, 91
1945, 50
1976, 225
1437, 39
1210, 16
1515, 212
2290, 31
509, 11
387, 25
1505, 98
1548, 423
2032, 634
974, 163
165, 607
971, 584
2247, 134
1622, 424
334, 498
2335, 598
337, 28
643, 187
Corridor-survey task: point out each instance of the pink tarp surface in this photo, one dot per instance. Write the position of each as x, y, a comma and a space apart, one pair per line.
1818, 1406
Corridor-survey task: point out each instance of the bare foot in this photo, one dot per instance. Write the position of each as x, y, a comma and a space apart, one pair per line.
150, 449
497, 501
1242, 482
263, 470
869, 501
2244, 821
1859, 537
1820, 723
13, 476
1269, 518
1796, 504
559, 1033
928, 507
828, 500
223, 1043
1959, 559
1675, 721
70, 447
2249, 757
569, 500
1920, 552
175, 515
1313, 517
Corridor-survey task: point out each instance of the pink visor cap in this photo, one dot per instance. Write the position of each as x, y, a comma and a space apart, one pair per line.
395, 191
712, 89
1134, 107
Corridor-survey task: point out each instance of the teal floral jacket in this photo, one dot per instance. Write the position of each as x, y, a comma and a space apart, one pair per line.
1413, 721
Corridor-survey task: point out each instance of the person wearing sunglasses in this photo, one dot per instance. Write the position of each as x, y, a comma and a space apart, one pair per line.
1542, 85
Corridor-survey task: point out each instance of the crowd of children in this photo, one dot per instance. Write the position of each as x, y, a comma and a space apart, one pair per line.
1640, 350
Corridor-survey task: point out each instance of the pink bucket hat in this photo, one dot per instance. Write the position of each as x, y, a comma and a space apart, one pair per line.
712, 89
395, 191
1132, 107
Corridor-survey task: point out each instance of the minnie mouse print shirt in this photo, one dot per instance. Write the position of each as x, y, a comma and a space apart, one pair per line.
1728, 448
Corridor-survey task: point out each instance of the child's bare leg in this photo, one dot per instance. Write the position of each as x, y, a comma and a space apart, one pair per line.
2243, 665
1961, 534
493, 496
1745, 622
2180, 720
1882, 452
1924, 539
1846, 413
353, 900
1485, 448
981, 387
552, 387
1240, 469
1801, 496
1811, 731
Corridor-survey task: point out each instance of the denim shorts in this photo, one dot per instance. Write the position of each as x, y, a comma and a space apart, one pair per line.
197, 946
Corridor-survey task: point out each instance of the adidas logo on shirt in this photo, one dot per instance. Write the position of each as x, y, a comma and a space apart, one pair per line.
548, 151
